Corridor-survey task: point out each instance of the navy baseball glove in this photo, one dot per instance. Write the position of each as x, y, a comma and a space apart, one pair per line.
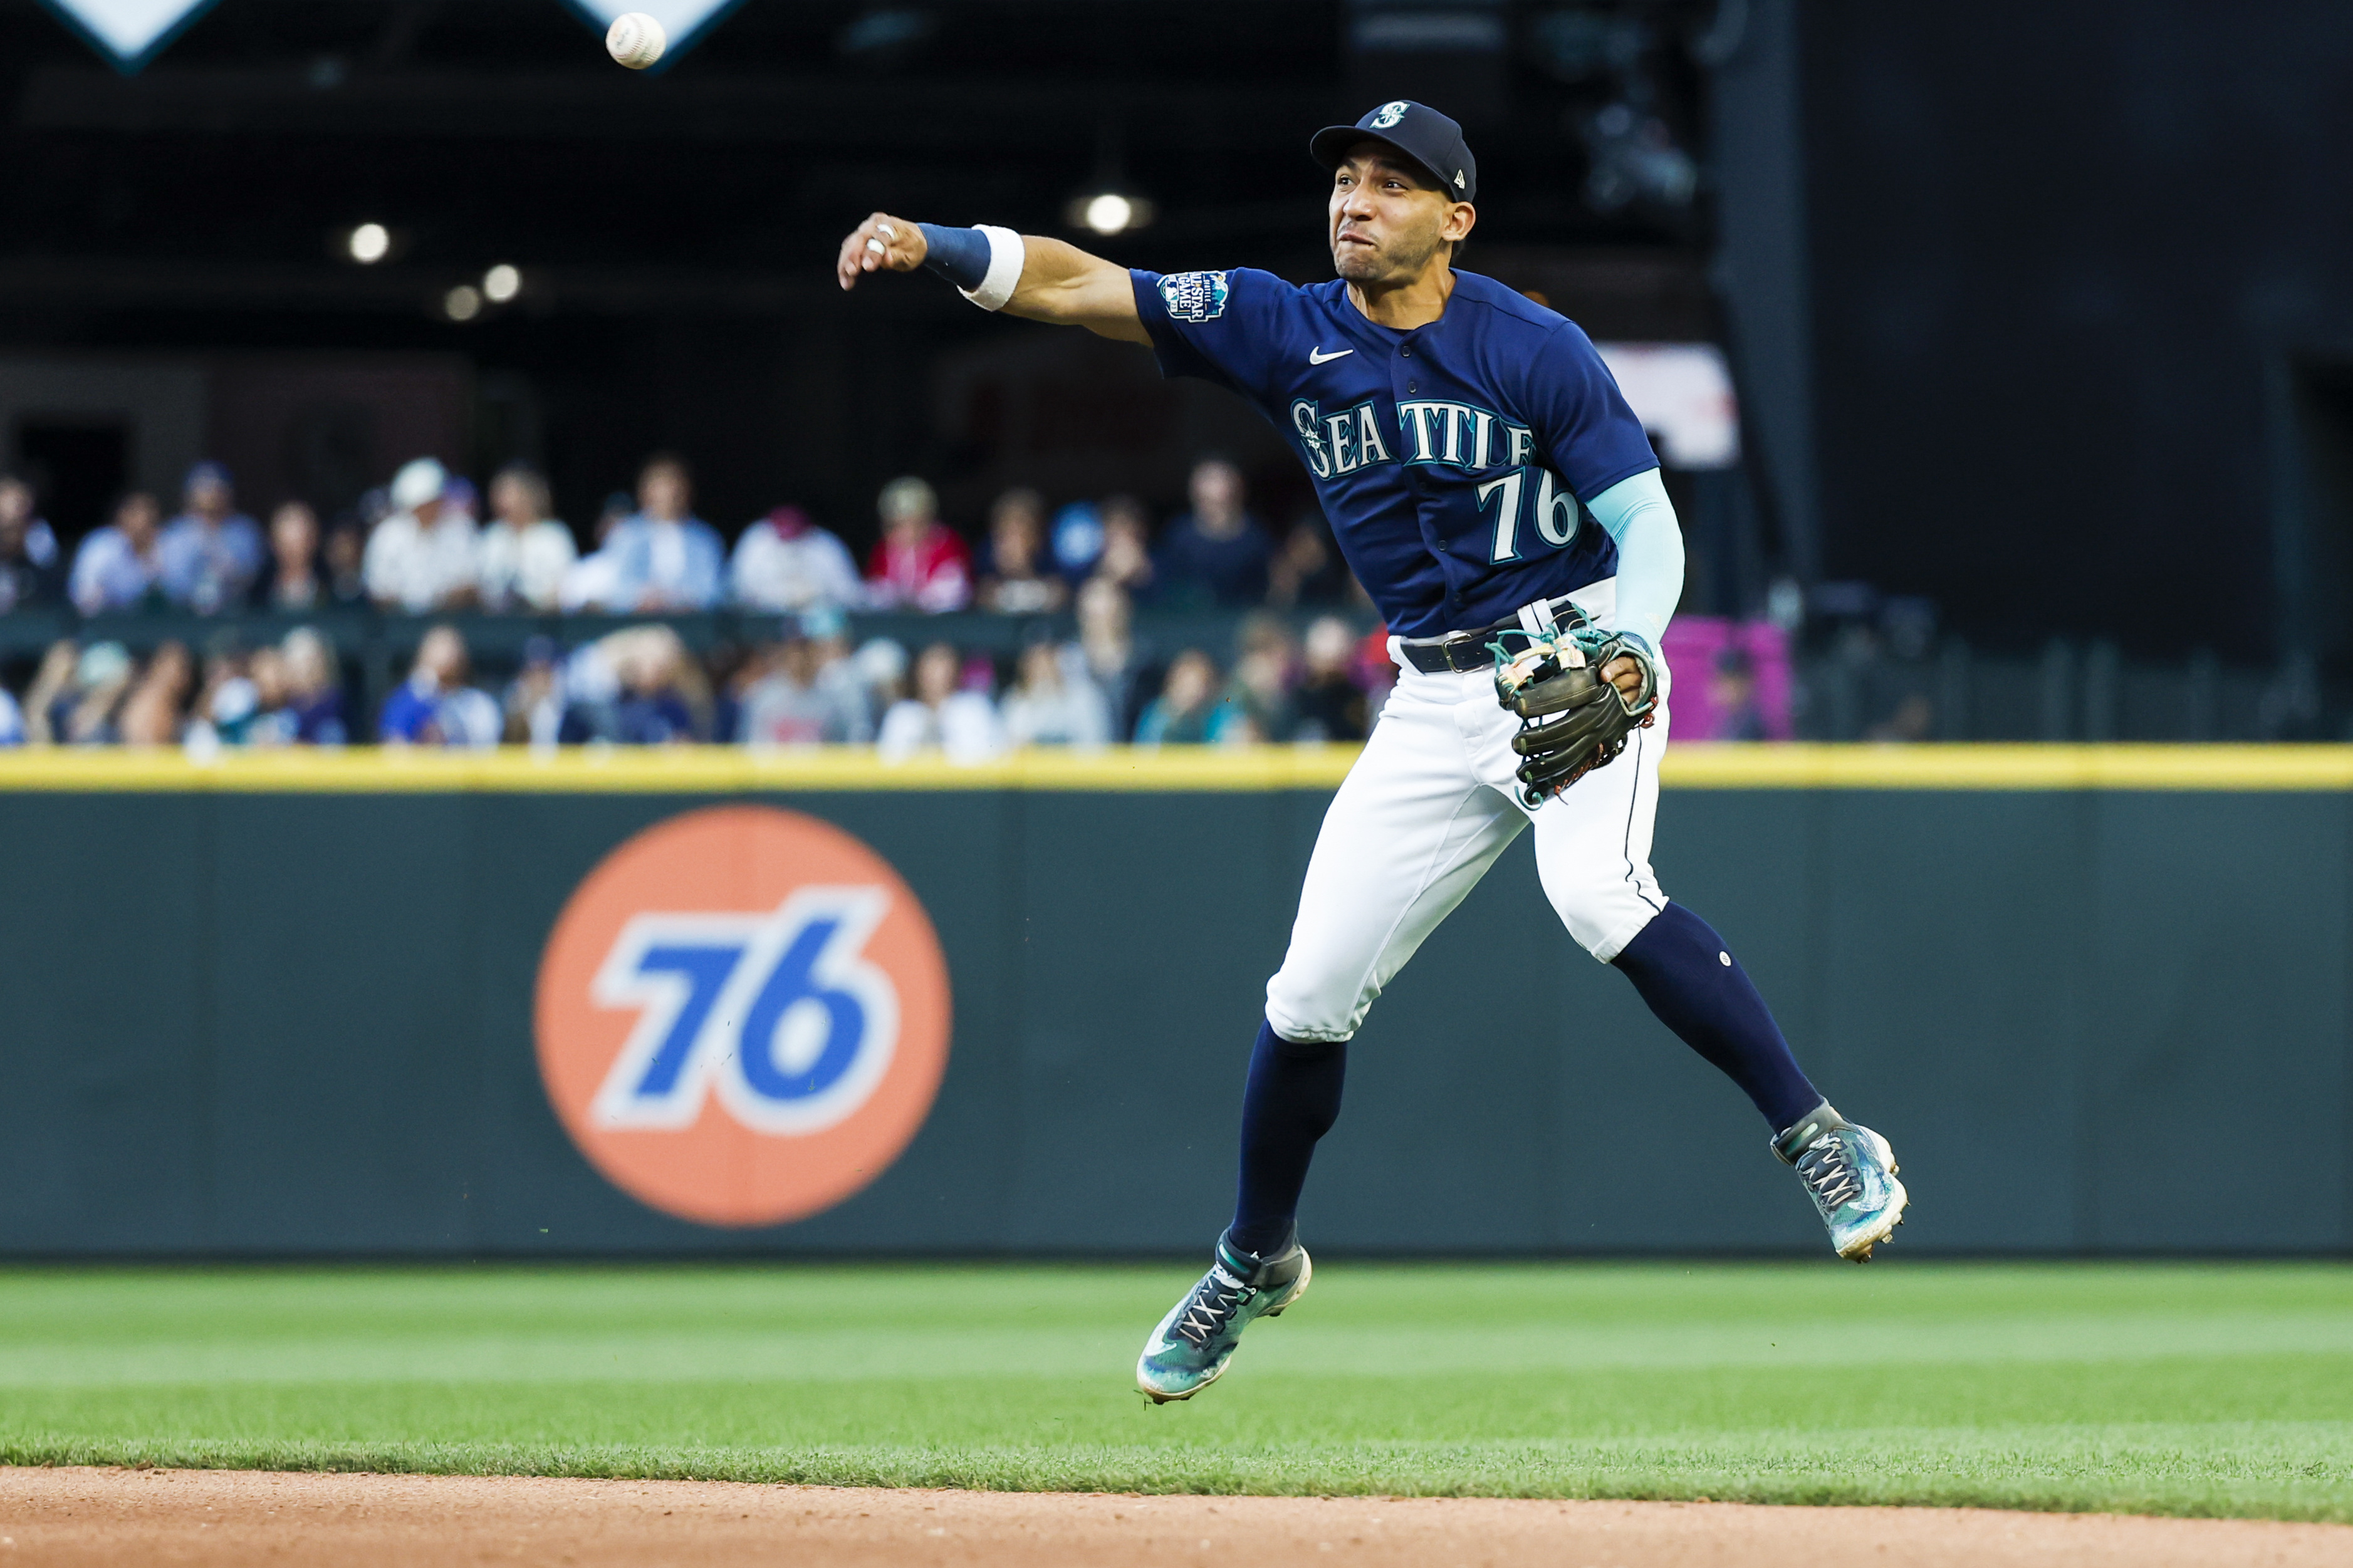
1571, 721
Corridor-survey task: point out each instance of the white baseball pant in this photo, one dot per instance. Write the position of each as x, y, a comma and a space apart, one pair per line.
1426, 810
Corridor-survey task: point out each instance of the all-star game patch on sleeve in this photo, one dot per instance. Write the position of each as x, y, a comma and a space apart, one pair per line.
1583, 423
1218, 326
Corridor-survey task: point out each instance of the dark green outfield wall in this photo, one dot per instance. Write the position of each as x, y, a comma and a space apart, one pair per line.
253, 1024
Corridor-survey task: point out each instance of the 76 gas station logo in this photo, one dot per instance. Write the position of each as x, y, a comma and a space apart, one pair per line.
780, 1014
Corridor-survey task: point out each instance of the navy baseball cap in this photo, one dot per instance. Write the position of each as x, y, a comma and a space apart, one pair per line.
1416, 129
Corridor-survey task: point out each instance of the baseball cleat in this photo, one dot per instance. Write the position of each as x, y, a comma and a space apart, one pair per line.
1193, 1343
1849, 1172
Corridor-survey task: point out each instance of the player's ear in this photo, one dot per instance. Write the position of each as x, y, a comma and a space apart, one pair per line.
1461, 218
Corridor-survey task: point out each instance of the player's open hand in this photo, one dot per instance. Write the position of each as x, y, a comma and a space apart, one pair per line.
882, 241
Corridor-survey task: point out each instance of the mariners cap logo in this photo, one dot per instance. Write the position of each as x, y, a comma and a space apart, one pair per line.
1388, 114
743, 1016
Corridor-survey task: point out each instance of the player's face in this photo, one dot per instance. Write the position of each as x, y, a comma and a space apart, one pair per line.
1388, 219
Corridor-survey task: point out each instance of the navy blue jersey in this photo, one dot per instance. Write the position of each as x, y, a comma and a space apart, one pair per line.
1453, 461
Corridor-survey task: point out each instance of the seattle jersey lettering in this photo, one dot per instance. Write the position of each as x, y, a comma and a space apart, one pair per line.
1339, 443
1453, 434
778, 1015
1452, 458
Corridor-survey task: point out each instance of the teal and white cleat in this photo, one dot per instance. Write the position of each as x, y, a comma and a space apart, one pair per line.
1849, 1172
1190, 1348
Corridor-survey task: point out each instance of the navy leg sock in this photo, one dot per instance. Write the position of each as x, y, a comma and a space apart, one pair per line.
1291, 1100
1695, 987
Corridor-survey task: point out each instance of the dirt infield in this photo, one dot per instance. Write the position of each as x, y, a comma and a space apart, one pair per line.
214, 1516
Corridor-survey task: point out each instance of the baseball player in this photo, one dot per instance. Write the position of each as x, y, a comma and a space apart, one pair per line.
1502, 505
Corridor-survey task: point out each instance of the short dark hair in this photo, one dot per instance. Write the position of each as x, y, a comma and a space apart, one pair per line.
532, 480
666, 459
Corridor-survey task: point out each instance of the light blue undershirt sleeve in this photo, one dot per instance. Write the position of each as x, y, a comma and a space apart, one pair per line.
1638, 516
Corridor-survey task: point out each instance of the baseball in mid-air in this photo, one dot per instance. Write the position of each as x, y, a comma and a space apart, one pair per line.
636, 40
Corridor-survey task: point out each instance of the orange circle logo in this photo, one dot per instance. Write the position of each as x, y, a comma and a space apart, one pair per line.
743, 1015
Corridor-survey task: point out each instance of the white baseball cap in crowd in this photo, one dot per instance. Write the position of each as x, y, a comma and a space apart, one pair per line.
418, 482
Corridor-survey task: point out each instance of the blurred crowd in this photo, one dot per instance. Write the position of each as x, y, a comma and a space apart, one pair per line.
431, 542
644, 686
427, 549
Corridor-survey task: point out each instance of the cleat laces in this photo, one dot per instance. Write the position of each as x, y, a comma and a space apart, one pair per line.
1210, 1307
1827, 1170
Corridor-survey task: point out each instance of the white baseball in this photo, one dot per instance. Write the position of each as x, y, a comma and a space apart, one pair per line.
636, 40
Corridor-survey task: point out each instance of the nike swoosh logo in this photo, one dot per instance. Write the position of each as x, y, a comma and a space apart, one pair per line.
1317, 356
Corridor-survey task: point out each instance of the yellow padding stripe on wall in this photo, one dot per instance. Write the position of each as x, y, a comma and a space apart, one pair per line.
727, 770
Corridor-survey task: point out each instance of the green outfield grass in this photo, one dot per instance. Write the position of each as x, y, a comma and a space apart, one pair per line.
2212, 1389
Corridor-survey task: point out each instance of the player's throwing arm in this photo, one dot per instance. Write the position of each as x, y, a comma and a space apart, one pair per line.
1022, 275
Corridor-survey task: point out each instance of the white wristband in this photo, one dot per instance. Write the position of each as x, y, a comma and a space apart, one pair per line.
1006, 256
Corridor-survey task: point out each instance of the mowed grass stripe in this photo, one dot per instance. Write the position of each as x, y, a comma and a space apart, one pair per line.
2225, 1389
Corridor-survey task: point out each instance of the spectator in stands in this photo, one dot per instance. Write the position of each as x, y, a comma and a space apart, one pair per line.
793, 704
51, 686
1077, 540
118, 566
435, 706
211, 553
728, 667
1016, 576
345, 561
920, 563
292, 580
425, 556
32, 569
664, 698
156, 708
1126, 559
941, 714
828, 631
228, 704
1258, 699
1188, 711
637, 687
594, 581
1053, 703
1215, 553
12, 721
664, 557
785, 564
73, 700
311, 712
1307, 569
1732, 693
534, 699
525, 552
1328, 703
50, 683
880, 669
271, 726
1114, 663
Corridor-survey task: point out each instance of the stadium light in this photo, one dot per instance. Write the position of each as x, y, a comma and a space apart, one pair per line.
462, 303
368, 244
501, 283
1110, 212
